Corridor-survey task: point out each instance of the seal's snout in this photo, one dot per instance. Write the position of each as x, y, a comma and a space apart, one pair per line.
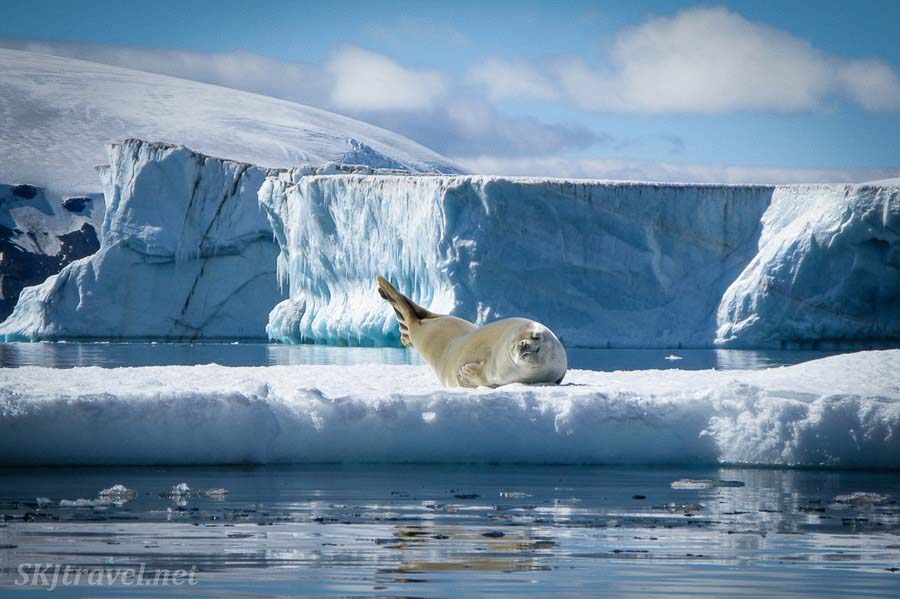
529, 346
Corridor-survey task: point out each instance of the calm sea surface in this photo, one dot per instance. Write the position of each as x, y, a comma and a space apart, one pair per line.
455, 530
113, 354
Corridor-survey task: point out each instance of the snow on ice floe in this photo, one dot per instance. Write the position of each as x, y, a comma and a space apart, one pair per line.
839, 411
82, 106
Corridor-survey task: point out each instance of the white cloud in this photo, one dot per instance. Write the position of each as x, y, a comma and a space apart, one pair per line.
365, 80
645, 170
705, 59
871, 83
508, 79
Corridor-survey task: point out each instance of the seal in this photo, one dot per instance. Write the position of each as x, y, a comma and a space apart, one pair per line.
512, 350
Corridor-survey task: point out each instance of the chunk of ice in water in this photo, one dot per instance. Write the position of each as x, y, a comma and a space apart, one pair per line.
862, 498
217, 494
704, 483
118, 493
99, 502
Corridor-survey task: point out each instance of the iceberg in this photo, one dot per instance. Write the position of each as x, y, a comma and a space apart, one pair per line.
604, 264
842, 411
185, 254
827, 271
601, 263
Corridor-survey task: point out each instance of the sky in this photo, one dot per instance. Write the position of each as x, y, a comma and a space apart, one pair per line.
759, 91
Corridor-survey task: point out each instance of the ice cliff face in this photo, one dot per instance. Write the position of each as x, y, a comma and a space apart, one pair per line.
827, 271
185, 253
39, 234
601, 263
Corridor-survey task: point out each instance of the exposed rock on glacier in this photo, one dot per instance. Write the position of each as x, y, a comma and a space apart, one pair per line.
840, 411
39, 234
827, 271
601, 263
58, 114
186, 253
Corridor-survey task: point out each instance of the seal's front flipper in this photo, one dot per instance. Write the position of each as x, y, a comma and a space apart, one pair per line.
471, 374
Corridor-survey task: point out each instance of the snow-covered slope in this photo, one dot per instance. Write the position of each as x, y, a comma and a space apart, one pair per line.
893, 181
839, 411
186, 253
58, 114
41, 234
827, 270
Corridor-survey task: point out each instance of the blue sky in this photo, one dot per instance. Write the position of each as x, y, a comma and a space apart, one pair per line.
761, 90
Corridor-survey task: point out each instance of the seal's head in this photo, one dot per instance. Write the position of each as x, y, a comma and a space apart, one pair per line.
538, 351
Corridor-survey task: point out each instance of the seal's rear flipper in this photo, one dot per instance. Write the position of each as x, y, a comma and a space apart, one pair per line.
409, 314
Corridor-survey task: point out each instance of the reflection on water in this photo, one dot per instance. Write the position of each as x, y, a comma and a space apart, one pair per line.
443, 530
110, 354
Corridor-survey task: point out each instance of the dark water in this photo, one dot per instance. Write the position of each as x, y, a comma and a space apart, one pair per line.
408, 530
110, 355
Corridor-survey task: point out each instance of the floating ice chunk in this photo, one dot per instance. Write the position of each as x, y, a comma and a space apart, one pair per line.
99, 502
118, 493
860, 498
683, 507
689, 483
692, 483
180, 490
217, 494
